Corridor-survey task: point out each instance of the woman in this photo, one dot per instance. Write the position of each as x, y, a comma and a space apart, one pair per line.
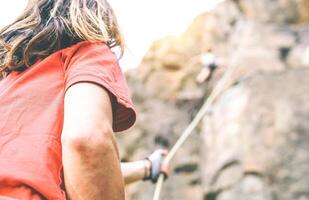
62, 97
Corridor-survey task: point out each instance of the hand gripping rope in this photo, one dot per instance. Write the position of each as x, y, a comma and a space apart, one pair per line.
224, 83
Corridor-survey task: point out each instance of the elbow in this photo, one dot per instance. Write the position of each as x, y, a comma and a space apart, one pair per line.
89, 141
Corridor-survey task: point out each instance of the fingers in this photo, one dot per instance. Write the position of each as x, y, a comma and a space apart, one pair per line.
165, 169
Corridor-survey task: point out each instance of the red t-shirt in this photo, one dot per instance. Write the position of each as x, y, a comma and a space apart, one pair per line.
31, 117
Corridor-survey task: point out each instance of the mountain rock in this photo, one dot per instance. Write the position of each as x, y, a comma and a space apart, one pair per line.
253, 143
276, 11
256, 139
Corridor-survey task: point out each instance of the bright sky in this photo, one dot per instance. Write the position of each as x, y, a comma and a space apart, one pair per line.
141, 21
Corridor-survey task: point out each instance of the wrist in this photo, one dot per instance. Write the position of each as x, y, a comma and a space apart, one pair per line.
147, 169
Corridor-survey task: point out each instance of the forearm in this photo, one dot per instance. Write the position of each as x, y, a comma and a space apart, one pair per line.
92, 172
135, 171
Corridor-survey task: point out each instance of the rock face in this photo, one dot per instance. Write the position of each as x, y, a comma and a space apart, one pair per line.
261, 151
253, 144
277, 11
159, 125
176, 60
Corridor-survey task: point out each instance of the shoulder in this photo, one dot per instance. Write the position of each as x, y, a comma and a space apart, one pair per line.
94, 62
88, 50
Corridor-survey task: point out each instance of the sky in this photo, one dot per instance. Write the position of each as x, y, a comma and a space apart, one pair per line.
141, 21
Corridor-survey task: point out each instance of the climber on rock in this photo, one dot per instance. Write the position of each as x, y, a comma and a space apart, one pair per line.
209, 65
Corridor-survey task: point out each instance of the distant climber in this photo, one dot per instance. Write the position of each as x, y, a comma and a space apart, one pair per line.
209, 64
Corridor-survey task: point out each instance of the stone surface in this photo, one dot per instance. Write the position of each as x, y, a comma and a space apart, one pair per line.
159, 125
276, 11
299, 54
252, 144
259, 129
176, 60
303, 7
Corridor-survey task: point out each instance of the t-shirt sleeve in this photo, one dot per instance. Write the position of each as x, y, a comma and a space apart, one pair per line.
96, 63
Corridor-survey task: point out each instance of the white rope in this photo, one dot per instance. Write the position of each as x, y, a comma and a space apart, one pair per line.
223, 83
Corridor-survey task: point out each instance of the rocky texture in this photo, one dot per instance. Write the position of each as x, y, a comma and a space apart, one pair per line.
298, 55
276, 11
261, 152
159, 125
253, 144
176, 60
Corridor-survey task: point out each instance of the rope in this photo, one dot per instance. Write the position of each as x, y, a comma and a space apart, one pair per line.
223, 83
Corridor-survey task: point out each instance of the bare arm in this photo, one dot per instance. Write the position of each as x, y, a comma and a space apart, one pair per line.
135, 171
90, 155
147, 169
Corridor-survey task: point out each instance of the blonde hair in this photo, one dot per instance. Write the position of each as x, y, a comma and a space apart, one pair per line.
47, 26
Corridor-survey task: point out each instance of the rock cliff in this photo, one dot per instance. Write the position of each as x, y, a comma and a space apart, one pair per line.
253, 143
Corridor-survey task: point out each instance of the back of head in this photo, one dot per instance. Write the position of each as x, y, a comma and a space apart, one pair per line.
46, 26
